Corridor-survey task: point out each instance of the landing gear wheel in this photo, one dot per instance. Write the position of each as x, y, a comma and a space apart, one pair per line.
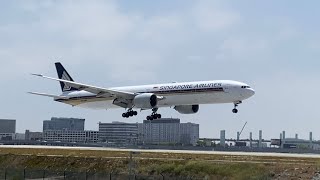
129, 113
236, 104
154, 115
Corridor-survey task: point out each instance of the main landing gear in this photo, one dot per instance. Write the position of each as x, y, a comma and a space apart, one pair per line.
236, 104
154, 115
130, 113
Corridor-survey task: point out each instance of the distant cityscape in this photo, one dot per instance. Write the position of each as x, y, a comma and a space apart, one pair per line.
164, 132
161, 131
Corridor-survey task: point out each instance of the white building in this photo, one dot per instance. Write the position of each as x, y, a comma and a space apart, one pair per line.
12, 136
68, 124
19, 136
71, 136
6, 136
160, 131
118, 132
168, 131
189, 133
33, 136
301, 143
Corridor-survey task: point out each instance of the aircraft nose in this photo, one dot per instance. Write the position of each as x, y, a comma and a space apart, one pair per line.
250, 92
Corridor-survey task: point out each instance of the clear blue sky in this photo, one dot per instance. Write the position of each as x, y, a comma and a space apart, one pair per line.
273, 45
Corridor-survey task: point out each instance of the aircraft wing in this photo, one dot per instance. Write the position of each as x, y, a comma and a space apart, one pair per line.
103, 92
48, 95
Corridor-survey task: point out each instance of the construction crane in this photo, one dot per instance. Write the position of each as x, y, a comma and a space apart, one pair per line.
239, 133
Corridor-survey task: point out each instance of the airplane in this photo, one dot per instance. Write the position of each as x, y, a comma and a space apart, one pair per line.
184, 97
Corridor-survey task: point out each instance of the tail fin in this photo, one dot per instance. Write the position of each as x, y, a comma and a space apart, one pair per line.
63, 74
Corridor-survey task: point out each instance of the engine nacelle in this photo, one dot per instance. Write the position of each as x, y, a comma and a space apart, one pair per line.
145, 101
187, 109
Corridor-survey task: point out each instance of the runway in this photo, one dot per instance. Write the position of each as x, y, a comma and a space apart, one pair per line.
255, 154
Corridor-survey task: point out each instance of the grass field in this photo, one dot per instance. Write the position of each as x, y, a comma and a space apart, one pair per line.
173, 164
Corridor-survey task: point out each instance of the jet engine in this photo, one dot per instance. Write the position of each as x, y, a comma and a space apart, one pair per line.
145, 101
187, 109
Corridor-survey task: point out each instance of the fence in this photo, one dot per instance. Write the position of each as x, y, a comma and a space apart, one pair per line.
31, 174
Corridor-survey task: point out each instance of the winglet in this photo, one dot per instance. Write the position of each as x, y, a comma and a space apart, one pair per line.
40, 75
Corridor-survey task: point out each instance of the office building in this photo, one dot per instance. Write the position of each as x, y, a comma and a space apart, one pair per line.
118, 133
71, 136
164, 131
33, 136
66, 124
18, 136
12, 136
6, 136
189, 133
161, 131
7, 126
168, 131
223, 138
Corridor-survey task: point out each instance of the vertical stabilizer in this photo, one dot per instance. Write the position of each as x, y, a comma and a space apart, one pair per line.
63, 74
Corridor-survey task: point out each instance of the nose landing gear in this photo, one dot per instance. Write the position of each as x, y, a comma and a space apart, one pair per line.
236, 104
235, 110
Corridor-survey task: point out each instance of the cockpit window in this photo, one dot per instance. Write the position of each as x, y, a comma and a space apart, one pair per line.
245, 87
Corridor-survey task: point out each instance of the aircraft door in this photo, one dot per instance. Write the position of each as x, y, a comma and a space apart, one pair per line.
226, 88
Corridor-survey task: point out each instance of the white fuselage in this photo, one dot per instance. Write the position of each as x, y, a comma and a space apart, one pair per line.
174, 94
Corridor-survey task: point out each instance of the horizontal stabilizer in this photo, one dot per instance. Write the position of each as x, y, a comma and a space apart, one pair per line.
48, 95
93, 89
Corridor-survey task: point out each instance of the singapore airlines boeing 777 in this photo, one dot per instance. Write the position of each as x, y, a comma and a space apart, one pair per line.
185, 97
